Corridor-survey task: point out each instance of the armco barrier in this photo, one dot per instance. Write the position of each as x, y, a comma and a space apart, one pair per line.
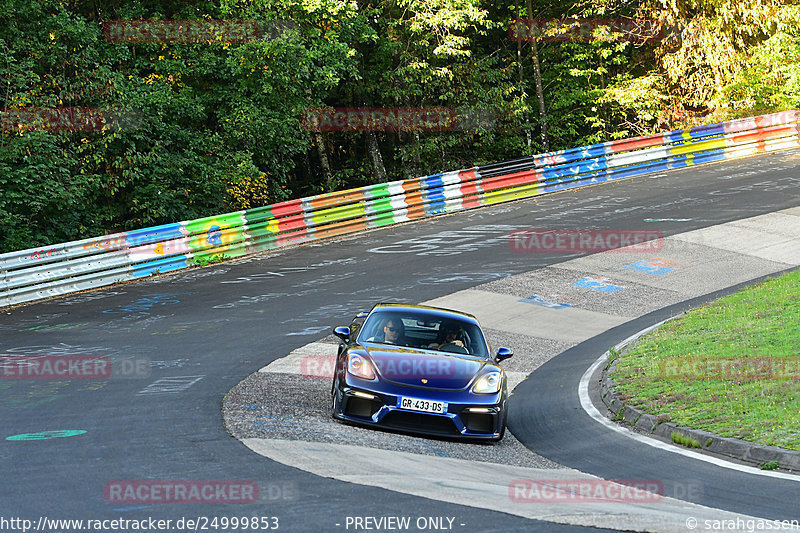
75, 266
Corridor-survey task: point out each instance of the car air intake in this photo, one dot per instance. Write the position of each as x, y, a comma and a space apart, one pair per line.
361, 407
480, 422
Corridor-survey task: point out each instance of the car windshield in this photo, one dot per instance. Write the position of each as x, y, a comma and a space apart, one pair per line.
425, 331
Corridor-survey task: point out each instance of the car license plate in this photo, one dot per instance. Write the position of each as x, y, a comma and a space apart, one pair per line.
418, 404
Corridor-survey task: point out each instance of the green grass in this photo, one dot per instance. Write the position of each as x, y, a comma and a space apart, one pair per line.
683, 440
771, 465
205, 260
758, 322
612, 356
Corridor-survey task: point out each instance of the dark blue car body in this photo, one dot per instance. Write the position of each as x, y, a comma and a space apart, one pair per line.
420, 383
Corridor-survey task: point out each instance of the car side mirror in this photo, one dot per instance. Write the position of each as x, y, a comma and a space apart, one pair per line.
503, 353
343, 332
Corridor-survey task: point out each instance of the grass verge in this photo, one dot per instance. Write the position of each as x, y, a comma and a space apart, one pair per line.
731, 367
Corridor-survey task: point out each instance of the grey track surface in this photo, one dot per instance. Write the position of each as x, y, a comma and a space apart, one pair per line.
224, 322
736, 251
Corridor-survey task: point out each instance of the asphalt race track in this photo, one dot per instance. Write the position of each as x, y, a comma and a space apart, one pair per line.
204, 330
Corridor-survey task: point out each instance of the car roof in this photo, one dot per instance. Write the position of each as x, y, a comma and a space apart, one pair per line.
438, 312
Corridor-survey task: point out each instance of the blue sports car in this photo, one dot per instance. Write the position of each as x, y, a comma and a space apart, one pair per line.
422, 370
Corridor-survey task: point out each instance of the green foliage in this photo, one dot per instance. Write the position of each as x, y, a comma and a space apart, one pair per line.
613, 355
684, 440
198, 128
723, 58
771, 79
205, 260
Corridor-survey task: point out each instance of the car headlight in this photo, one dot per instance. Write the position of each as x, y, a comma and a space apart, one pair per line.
360, 367
488, 383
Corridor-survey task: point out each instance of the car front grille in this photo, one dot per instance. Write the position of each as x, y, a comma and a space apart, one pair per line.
420, 422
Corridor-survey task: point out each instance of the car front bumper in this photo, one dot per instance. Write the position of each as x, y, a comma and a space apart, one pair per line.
468, 415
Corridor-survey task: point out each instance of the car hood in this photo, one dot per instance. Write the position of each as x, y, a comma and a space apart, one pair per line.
424, 368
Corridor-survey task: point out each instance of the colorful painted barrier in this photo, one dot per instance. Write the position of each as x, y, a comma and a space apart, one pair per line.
34, 274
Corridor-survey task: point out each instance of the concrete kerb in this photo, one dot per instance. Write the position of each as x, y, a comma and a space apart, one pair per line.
638, 420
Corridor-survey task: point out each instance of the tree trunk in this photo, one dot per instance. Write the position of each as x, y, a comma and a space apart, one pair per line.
322, 150
527, 115
375, 157
537, 73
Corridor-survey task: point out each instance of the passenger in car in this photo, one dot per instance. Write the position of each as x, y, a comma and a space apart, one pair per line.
449, 336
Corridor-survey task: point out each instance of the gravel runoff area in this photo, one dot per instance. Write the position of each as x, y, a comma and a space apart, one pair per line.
291, 406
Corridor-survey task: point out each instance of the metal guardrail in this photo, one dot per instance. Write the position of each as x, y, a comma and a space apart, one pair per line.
34, 274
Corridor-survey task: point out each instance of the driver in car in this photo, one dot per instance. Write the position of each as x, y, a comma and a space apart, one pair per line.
393, 333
